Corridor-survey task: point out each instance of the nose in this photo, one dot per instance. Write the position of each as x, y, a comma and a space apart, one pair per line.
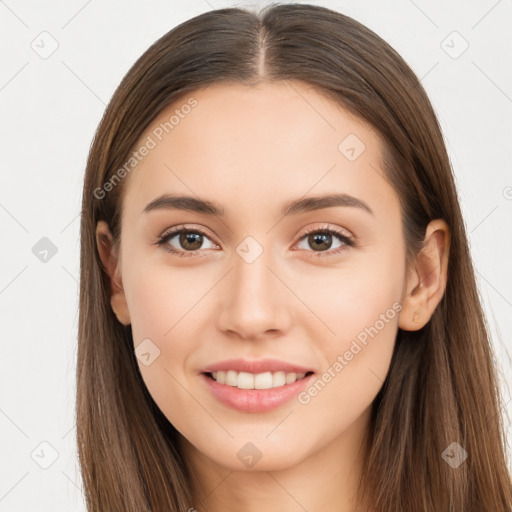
255, 301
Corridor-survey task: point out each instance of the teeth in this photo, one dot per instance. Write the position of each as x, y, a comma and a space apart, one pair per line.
278, 379
245, 380
231, 378
290, 377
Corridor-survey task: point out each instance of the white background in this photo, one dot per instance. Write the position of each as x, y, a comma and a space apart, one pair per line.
50, 109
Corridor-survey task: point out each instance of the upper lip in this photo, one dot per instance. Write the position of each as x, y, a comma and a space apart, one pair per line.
256, 366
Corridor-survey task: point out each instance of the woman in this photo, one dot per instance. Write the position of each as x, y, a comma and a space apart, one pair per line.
278, 309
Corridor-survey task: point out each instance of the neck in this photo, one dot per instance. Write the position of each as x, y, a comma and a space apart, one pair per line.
324, 481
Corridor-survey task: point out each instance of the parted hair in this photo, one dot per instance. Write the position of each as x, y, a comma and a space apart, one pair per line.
442, 382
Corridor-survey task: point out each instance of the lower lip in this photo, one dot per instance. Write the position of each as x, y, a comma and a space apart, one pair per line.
255, 400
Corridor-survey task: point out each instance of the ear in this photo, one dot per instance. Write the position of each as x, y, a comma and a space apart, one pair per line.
110, 261
426, 283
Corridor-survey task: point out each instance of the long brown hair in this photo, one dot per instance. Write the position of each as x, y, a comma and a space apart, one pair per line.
441, 387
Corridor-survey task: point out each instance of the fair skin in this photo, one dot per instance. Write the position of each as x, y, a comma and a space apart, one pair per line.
252, 150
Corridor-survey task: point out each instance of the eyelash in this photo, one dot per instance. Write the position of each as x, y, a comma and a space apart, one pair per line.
163, 239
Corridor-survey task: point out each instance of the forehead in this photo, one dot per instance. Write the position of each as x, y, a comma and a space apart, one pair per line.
241, 143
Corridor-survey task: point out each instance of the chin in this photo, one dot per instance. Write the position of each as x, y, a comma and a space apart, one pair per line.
256, 456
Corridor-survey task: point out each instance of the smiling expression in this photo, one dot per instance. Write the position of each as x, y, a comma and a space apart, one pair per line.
293, 247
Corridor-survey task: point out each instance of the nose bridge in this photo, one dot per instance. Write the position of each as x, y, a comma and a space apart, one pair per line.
255, 300
252, 277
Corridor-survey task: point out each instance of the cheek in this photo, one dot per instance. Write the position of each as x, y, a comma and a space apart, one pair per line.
360, 306
164, 310
356, 363
164, 302
354, 296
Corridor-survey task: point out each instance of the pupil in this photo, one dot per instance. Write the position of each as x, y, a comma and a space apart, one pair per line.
322, 237
187, 239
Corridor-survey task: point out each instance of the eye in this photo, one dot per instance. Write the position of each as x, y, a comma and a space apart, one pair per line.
321, 238
191, 240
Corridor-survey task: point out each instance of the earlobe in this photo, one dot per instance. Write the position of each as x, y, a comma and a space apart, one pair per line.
414, 314
109, 261
427, 283
120, 308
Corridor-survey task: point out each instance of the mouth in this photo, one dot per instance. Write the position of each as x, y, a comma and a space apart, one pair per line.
256, 385
248, 381
255, 392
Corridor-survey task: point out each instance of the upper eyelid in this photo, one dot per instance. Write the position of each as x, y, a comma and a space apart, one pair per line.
178, 229
181, 227
337, 231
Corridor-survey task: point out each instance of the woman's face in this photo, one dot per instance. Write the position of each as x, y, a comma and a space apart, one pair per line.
259, 279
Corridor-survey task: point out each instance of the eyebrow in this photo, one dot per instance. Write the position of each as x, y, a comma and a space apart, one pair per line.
303, 205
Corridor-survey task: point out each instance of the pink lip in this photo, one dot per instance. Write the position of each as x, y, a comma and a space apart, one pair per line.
255, 400
256, 366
